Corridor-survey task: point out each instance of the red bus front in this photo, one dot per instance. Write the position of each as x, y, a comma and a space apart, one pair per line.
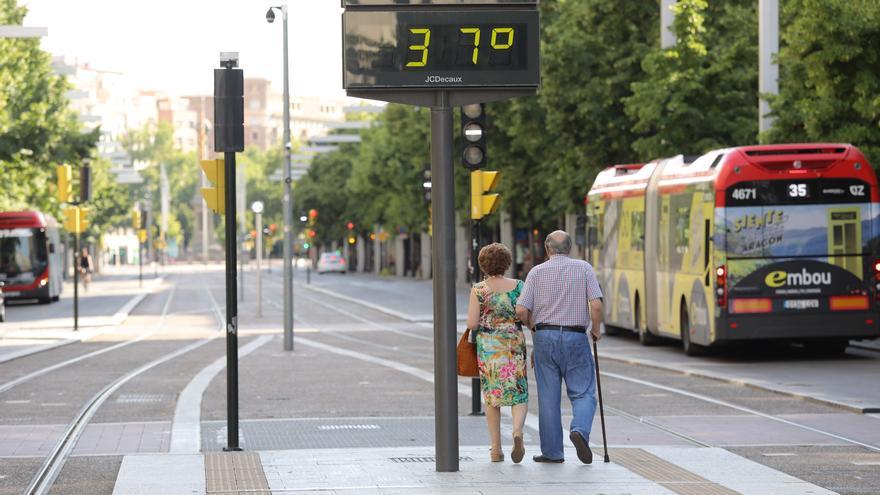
24, 255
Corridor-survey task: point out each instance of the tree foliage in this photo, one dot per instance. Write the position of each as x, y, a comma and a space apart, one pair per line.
592, 52
701, 93
37, 129
830, 74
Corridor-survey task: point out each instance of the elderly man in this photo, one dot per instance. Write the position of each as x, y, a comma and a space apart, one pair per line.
561, 301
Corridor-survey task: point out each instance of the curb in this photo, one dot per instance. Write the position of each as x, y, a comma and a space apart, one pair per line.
736, 381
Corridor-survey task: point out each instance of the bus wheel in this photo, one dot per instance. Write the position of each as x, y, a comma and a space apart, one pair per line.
689, 347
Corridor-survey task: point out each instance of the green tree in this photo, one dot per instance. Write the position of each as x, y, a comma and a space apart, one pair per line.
592, 52
37, 129
701, 93
830, 74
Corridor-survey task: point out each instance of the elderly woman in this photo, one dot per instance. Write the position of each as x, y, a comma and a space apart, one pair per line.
501, 347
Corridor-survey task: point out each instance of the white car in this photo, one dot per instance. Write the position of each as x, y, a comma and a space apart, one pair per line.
331, 262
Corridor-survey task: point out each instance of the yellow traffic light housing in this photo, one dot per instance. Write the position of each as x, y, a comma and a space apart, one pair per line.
75, 219
136, 219
483, 204
215, 196
65, 183
142, 235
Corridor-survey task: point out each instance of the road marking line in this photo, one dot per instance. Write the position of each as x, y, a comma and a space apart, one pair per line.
186, 428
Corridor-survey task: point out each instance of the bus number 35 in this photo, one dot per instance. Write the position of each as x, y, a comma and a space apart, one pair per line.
502, 39
744, 193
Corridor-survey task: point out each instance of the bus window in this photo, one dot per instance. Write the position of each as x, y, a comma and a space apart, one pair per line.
637, 230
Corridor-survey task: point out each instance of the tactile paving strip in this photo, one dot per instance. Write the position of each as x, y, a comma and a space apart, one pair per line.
666, 474
233, 473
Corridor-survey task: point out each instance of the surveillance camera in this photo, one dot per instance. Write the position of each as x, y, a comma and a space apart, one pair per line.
287, 146
229, 59
270, 15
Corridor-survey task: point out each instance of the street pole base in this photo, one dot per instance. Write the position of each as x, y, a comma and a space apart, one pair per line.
232, 449
607, 459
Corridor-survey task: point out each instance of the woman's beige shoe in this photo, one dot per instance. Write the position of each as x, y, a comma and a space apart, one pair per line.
519, 451
496, 455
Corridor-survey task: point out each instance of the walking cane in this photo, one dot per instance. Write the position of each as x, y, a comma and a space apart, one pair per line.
601, 406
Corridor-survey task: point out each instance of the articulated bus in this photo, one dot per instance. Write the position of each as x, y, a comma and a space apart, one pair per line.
30, 260
756, 242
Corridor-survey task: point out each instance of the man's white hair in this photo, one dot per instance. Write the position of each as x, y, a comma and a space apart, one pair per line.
558, 242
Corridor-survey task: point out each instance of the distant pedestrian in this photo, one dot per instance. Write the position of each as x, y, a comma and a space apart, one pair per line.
501, 348
561, 301
86, 267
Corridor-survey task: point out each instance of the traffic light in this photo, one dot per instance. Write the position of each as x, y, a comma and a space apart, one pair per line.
352, 239
75, 219
142, 235
473, 127
215, 196
349, 225
483, 204
136, 219
85, 184
426, 184
65, 188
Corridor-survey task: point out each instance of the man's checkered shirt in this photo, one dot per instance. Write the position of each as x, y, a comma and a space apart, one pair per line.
557, 291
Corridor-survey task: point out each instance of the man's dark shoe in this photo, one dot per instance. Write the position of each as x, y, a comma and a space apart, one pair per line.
541, 458
583, 449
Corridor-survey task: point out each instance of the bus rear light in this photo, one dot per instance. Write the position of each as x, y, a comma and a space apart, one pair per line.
734, 325
752, 305
869, 322
848, 303
721, 286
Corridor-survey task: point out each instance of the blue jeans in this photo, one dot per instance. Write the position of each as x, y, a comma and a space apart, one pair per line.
563, 355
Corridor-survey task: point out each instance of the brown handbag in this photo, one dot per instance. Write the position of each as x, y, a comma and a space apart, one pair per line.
466, 352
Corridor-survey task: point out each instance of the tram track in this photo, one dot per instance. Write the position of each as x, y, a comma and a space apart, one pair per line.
52, 465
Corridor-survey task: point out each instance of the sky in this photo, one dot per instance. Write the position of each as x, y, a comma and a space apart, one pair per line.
173, 45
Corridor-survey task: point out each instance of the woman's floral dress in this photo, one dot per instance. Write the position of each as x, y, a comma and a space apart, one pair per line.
501, 348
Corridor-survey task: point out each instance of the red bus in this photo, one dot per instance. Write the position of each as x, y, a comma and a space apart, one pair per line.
30, 260
755, 242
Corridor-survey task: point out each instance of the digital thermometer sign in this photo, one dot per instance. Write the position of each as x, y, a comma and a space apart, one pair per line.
440, 48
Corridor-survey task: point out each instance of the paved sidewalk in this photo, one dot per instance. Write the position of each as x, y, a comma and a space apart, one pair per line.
836, 380
407, 470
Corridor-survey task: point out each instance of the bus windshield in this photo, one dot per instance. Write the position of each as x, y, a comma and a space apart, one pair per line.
23, 255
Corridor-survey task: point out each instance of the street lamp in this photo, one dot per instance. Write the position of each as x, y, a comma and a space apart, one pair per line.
288, 192
257, 208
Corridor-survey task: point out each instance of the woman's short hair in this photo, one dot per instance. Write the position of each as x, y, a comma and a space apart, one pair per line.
495, 259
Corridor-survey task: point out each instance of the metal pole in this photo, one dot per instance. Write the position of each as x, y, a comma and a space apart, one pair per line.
259, 262
76, 263
768, 71
288, 205
443, 244
667, 18
140, 261
476, 242
231, 308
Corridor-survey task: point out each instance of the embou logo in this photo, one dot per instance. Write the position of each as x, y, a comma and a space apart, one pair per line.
779, 278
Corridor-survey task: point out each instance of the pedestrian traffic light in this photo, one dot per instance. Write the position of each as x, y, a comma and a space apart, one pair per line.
473, 127
142, 235
215, 196
483, 204
65, 188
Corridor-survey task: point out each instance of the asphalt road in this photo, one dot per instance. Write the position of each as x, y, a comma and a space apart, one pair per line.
360, 376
